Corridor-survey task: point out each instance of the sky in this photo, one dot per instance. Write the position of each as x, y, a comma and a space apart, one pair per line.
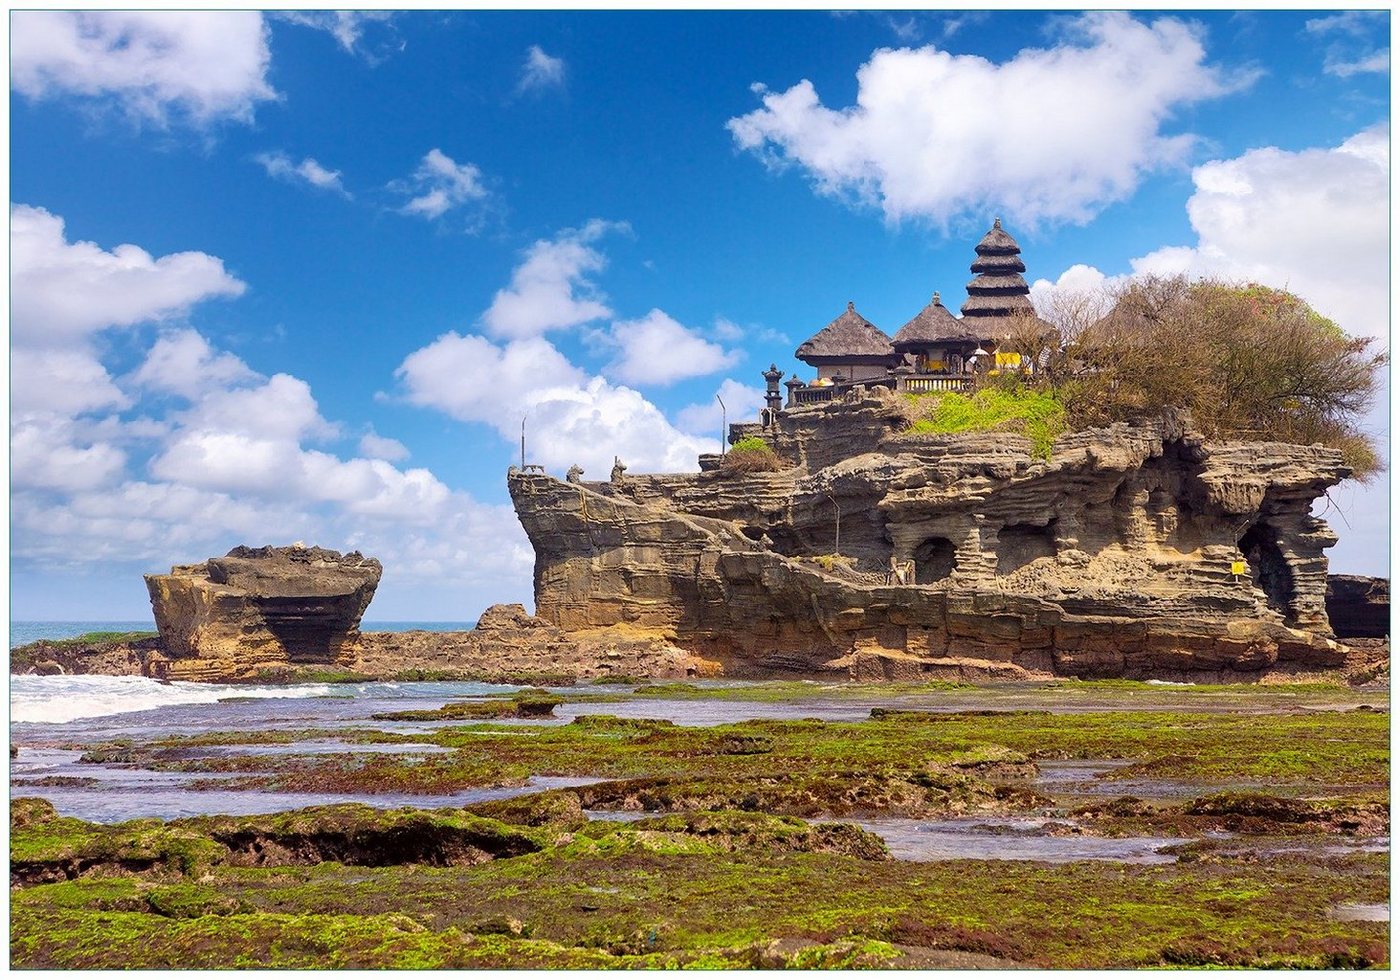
299, 276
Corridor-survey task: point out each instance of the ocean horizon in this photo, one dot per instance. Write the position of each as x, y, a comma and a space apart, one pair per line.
24, 631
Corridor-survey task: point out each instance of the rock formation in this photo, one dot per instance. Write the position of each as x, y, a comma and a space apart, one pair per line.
261, 609
1136, 550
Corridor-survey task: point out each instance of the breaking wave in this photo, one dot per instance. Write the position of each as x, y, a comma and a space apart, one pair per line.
59, 699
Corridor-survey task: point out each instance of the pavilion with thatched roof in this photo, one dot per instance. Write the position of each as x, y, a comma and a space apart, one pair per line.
849, 348
935, 341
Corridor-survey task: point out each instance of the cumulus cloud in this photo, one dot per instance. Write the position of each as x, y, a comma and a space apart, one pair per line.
552, 289
657, 350
280, 166
60, 291
203, 66
571, 417
1053, 134
1314, 221
183, 363
742, 403
96, 477
375, 446
540, 71
441, 184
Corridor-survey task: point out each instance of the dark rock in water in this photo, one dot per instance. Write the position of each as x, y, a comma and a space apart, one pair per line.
261, 609
1358, 606
1137, 550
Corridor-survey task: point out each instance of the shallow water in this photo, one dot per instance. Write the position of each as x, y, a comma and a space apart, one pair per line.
1010, 839
1361, 912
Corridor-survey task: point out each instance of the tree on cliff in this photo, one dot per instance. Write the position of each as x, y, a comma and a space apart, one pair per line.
1247, 361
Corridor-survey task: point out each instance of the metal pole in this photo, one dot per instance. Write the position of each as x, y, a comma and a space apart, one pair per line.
723, 425
522, 441
838, 521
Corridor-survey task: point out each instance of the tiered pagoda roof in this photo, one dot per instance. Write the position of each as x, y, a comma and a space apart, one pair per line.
998, 293
848, 338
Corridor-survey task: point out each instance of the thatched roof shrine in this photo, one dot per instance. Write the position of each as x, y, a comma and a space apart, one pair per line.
849, 339
933, 324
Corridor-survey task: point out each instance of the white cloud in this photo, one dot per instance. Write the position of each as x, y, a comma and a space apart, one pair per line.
551, 288
348, 27
202, 65
47, 451
742, 403
67, 382
183, 363
228, 464
375, 446
1051, 135
1315, 222
657, 350
572, 418
1353, 49
540, 71
440, 184
61, 291
280, 166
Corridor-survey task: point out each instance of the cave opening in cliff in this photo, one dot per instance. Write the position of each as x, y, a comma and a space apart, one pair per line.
1020, 544
934, 560
1269, 568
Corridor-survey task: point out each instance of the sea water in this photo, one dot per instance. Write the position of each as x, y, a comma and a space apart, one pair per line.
29, 631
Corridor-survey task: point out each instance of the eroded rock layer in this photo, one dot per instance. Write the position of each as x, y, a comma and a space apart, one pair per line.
1136, 550
261, 609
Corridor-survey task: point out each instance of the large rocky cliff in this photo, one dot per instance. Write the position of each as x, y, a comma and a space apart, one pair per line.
1118, 556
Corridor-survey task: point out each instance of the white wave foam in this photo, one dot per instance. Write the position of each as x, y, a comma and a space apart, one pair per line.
59, 699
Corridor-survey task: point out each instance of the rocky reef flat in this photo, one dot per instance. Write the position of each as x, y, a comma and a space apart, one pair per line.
712, 824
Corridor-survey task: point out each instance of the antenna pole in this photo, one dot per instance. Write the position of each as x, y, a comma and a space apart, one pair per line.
522, 441
723, 424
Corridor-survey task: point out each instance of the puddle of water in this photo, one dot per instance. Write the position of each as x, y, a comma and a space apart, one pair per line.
618, 816
1009, 839
1360, 912
132, 794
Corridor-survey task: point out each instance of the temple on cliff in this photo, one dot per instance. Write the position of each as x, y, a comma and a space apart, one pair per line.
934, 351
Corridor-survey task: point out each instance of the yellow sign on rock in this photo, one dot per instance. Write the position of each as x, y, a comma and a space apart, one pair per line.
1238, 567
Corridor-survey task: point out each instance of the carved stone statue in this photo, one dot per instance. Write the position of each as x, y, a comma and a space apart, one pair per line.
575, 474
618, 469
900, 573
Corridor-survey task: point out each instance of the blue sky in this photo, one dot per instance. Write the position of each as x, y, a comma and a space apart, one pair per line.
298, 277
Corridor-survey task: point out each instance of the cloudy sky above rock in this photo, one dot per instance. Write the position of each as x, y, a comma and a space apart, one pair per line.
299, 276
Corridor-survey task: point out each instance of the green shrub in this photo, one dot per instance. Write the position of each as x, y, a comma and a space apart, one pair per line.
751, 455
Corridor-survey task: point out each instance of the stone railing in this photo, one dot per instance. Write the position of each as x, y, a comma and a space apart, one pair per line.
921, 384
799, 395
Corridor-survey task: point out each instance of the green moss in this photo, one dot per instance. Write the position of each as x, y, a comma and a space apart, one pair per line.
1038, 415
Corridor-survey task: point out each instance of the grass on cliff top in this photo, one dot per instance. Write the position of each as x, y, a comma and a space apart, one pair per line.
668, 896
1037, 415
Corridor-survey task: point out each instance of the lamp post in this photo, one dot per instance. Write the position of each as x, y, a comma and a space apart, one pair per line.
723, 425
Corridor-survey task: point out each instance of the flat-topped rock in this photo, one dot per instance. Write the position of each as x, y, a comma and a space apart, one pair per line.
260, 609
